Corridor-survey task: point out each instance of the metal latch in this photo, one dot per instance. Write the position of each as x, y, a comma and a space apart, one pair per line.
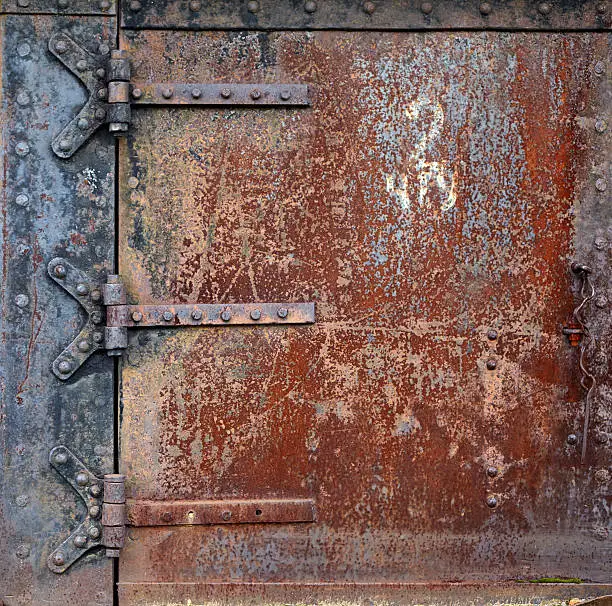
109, 513
110, 317
107, 77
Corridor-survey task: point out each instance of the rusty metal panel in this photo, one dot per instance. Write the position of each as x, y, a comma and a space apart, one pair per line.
430, 202
59, 7
49, 207
366, 15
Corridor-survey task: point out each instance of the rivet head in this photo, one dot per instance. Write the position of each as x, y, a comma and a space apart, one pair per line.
196, 314
100, 72
136, 93
98, 337
492, 335
600, 185
285, 95
81, 65
94, 511
255, 94
62, 3
23, 99
600, 125
135, 6
23, 50
61, 47
82, 289
22, 148
426, 8
59, 271
23, 3
283, 312
255, 314
83, 123
492, 471
22, 552
65, 145
485, 8
96, 295
22, 200
104, 49
544, 8
93, 532
95, 490
601, 8
96, 317
58, 558
599, 68
195, 5
226, 315
80, 541
196, 93
22, 300
136, 316
168, 316
60, 458
369, 7
22, 500
64, 367
572, 439
102, 93
226, 93
310, 6
253, 6
226, 515
100, 114
167, 516
491, 501
133, 182
84, 346
167, 93
491, 364
105, 5
82, 478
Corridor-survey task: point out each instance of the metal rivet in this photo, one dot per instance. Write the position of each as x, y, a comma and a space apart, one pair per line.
601, 301
22, 300
195, 5
22, 552
253, 6
96, 295
255, 314
82, 478
65, 145
83, 124
196, 93
64, 367
255, 94
23, 50
137, 93
95, 490
58, 558
133, 182
600, 185
599, 68
59, 271
80, 541
491, 502
81, 65
93, 532
426, 8
23, 98
283, 312
100, 72
492, 471
22, 500
135, 5
98, 337
61, 47
285, 95
492, 335
102, 93
544, 8
168, 315
196, 314
22, 200
167, 516
600, 125
136, 316
100, 114
105, 5
226, 515
226, 315
167, 93
226, 93
23, 3
485, 8
82, 289
601, 243
96, 317
62, 3
369, 7
60, 458
22, 148
84, 346
491, 364
572, 439
94, 511
104, 49
310, 6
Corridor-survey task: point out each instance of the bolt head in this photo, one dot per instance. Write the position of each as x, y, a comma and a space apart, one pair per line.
80, 541
82, 478
226, 93
168, 316
283, 312
60, 458
226, 315
136, 316
84, 346
94, 511
491, 364
255, 94
310, 6
196, 314
196, 93
167, 93
95, 490
255, 314
492, 471
492, 501
94, 532
426, 8
64, 367
572, 439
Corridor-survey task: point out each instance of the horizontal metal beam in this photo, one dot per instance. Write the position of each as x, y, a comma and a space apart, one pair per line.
243, 511
133, 316
171, 93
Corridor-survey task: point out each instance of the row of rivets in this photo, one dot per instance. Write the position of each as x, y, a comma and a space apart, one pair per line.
103, 4
225, 315
226, 93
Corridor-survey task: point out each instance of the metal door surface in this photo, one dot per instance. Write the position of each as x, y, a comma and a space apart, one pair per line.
356, 283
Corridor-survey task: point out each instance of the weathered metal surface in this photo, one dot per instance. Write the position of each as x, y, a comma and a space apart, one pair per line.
367, 15
171, 93
430, 201
187, 513
49, 207
59, 7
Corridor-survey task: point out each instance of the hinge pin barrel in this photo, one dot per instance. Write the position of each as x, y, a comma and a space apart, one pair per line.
113, 514
119, 112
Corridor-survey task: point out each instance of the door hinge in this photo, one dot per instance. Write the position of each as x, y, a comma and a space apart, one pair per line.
107, 78
110, 317
109, 513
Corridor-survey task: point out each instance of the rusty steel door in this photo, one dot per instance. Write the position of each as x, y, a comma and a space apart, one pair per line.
352, 260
